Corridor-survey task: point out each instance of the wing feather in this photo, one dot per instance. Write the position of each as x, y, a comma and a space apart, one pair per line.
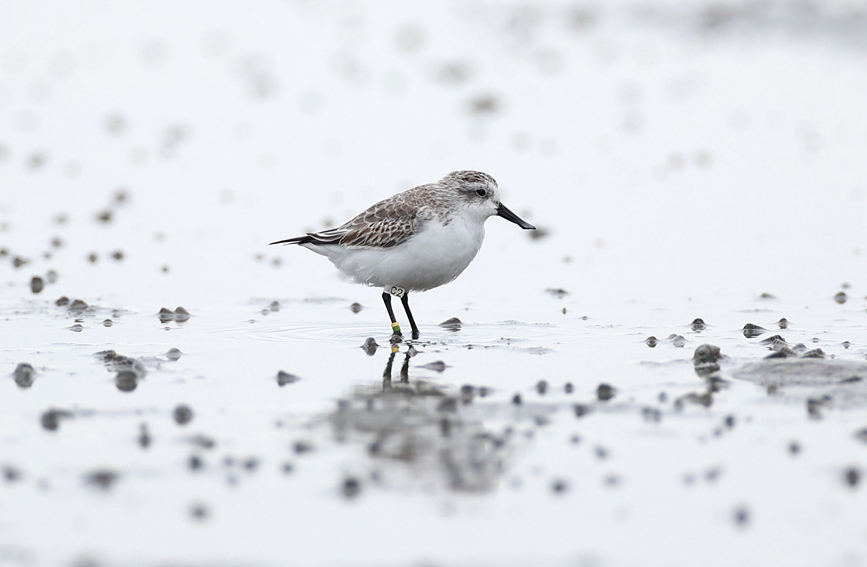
386, 224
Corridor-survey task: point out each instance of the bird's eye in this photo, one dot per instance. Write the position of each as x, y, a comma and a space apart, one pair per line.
481, 192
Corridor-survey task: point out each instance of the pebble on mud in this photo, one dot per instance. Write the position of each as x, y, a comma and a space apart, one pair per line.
144, 437
605, 392
301, 447
852, 477
62, 301
752, 330
183, 414
195, 463
351, 487
516, 400
11, 474
698, 324
557, 292
452, 324
783, 323
559, 486
126, 380
651, 341
51, 419
199, 512
541, 387
24, 375
284, 378
741, 516
581, 410
179, 315
174, 354
77, 306
794, 448
568, 388
841, 297
356, 307
370, 346
36, 284
652, 415
103, 479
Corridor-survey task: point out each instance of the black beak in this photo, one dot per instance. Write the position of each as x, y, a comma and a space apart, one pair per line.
502, 211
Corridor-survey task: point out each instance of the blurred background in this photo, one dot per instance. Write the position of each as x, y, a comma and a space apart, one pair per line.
655, 144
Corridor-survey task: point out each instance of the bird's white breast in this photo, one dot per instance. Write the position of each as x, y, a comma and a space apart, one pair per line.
436, 255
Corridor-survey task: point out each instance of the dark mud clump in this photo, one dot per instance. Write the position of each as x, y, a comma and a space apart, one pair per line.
37, 284
752, 331
581, 410
129, 370
351, 487
605, 392
436, 366
852, 477
199, 512
24, 375
183, 414
126, 380
103, 479
370, 346
51, 419
11, 474
144, 438
741, 516
557, 292
452, 324
77, 307
706, 359
284, 378
179, 315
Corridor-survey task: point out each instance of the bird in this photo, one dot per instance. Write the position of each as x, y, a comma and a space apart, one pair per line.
414, 241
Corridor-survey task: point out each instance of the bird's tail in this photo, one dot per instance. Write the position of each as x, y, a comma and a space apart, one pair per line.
296, 240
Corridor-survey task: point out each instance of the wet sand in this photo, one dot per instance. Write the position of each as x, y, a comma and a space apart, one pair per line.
669, 372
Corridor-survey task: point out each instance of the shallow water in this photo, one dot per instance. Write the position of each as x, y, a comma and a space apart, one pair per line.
684, 162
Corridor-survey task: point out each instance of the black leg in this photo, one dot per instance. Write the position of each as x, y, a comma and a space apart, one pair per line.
386, 298
405, 301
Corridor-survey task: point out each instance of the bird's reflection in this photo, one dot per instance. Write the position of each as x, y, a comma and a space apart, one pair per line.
435, 429
404, 369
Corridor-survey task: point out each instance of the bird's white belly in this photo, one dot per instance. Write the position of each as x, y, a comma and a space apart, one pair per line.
433, 257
